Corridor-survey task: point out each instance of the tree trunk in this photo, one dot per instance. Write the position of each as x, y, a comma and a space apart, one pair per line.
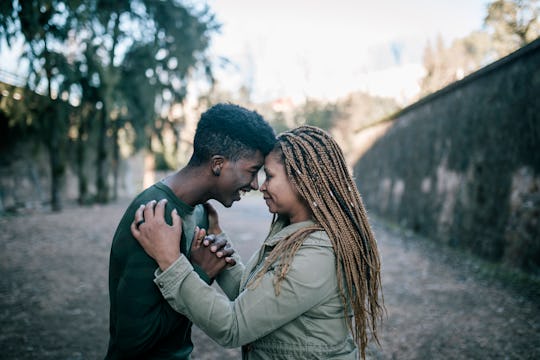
57, 172
81, 161
149, 177
108, 107
102, 185
55, 123
53, 120
116, 160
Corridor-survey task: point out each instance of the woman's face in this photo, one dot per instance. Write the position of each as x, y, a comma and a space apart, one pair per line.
280, 195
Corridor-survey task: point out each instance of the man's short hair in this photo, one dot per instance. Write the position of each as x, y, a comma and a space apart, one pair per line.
231, 131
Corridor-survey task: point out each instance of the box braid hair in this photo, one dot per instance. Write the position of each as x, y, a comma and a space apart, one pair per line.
316, 167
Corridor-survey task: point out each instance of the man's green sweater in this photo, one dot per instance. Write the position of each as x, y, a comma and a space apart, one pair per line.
142, 324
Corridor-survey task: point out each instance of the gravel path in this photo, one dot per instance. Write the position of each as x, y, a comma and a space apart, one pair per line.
441, 304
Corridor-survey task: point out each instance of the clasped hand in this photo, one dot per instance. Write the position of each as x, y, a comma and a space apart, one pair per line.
161, 241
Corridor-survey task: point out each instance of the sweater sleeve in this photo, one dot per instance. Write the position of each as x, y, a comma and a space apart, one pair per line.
142, 319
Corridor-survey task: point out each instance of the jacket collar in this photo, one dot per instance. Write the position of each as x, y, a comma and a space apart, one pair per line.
284, 231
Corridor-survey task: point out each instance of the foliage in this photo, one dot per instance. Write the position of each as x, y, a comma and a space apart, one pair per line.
122, 65
343, 118
155, 73
514, 23
361, 109
320, 114
444, 65
44, 27
279, 122
510, 24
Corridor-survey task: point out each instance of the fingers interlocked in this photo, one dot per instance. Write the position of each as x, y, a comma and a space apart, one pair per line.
218, 245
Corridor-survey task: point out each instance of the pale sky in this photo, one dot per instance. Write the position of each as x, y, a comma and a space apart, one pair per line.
326, 49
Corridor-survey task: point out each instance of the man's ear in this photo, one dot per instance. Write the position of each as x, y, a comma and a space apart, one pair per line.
216, 163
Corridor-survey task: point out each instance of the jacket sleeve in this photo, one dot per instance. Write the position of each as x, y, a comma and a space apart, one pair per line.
256, 311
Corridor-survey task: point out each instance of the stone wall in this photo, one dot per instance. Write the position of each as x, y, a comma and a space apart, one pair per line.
25, 177
462, 166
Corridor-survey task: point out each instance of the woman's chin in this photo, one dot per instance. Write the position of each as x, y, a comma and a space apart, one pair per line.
270, 210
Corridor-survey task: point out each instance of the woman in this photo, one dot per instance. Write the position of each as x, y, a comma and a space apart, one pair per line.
314, 282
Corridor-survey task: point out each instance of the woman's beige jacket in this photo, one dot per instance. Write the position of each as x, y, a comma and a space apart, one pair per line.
305, 321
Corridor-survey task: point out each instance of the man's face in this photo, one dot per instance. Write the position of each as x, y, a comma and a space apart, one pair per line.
238, 177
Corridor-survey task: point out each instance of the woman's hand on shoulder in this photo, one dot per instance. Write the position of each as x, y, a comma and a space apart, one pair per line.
160, 240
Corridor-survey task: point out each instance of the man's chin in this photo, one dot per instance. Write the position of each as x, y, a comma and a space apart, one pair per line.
228, 203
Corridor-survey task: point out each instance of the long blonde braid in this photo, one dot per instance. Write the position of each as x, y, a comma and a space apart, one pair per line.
316, 167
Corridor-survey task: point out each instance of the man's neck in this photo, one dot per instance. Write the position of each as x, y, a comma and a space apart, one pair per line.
188, 184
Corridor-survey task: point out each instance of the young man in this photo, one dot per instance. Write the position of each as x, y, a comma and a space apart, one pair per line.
228, 150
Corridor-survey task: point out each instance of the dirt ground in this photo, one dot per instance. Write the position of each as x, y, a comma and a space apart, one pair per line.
441, 304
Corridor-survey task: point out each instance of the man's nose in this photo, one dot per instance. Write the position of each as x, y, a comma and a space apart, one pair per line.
255, 183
